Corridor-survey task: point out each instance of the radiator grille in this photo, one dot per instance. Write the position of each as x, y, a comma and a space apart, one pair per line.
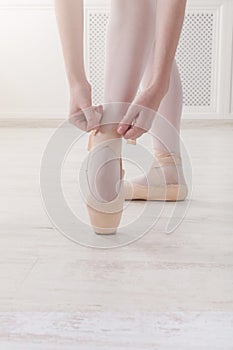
194, 59
194, 56
97, 23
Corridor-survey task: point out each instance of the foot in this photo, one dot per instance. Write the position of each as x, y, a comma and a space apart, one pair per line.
164, 182
104, 172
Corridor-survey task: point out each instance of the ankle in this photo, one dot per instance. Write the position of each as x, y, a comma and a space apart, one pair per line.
105, 134
110, 129
167, 159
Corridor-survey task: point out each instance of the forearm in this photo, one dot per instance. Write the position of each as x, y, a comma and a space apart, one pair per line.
69, 14
169, 22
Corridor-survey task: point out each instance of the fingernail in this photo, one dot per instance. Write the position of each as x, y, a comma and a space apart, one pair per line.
120, 129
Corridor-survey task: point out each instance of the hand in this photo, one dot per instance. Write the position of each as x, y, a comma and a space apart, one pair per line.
82, 114
140, 115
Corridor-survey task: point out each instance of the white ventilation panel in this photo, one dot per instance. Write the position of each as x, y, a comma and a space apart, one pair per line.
194, 56
97, 21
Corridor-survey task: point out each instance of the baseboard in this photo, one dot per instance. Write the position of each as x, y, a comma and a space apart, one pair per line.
30, 123
54, 123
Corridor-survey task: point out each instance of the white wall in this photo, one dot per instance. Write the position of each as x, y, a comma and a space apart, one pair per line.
31, 69
32, 75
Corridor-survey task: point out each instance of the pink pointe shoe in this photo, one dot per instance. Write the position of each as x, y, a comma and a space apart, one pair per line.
105, 198
173, 190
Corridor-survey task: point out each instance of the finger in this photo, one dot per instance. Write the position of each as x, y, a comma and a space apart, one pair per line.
93, 118
143, 124
79, 120
134, 133
127, 120
99, 109
145, 119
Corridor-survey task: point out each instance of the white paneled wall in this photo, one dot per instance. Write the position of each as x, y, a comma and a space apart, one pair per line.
33, 82
32, 75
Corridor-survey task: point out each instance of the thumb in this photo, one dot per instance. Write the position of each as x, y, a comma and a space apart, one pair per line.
93, 118
127, 120
99, 109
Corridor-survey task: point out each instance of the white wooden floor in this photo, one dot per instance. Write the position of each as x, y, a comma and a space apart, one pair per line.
165, 291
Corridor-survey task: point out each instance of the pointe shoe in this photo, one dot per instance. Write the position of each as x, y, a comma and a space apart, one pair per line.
159, 192
105, 215
132, 142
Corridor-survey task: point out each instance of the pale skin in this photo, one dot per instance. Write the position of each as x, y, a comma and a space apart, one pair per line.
70, 20
169, 20
142, 38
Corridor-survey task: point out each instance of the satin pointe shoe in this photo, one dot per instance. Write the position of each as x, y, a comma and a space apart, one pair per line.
105, 197
159, 189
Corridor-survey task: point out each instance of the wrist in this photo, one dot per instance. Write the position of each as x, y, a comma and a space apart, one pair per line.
159, 87
77, 78
161, 79
79, 84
